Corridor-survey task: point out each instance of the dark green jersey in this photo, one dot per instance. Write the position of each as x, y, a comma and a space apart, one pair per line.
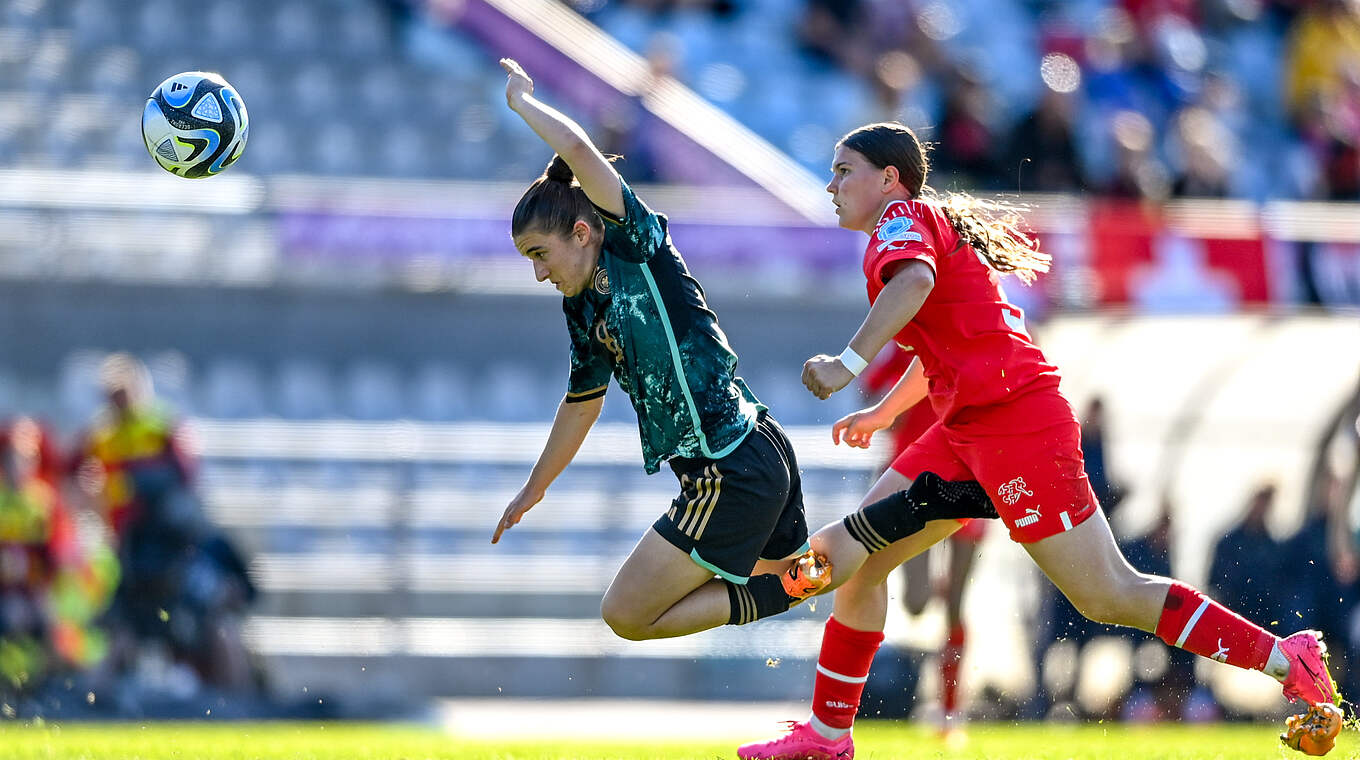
645, 321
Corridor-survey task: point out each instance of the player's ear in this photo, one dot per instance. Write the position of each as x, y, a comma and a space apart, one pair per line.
580, 232
890, 177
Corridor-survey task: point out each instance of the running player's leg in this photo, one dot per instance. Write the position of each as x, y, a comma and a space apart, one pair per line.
657, 578
731, 513
855, 629
1039, 481
962, 553
1086, 565
917, 584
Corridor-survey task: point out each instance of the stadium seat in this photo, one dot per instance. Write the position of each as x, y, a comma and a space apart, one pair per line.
371, 390
304, 390
232, 387
439, 392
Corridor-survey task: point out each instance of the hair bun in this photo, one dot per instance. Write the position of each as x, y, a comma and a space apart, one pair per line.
559, 171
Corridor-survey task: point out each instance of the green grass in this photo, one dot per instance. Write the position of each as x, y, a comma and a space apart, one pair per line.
874, 740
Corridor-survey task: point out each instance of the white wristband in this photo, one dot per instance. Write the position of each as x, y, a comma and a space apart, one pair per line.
853, 361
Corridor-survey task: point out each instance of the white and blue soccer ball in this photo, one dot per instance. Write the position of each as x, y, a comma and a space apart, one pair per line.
195, 124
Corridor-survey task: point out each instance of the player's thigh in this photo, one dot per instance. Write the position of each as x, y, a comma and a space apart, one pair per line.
1087, 566
862, 601
655, 576
876, 569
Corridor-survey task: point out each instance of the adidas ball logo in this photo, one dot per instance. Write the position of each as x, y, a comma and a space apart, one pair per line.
177, 86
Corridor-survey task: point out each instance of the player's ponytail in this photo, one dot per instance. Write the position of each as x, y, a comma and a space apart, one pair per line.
553, 203
994, 229
997, 231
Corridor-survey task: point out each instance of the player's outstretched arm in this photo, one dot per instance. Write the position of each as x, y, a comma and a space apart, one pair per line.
569, 429
857, 428
901, 298
597, 177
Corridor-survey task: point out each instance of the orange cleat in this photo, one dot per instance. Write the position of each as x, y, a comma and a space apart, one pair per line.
1313, 732
808, 574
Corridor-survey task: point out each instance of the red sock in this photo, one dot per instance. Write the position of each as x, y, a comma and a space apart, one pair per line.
842, 669
1194, 622
951, 658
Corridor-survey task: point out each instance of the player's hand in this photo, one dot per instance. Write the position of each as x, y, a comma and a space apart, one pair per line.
523, 502
857, 428
517, 83
824, 375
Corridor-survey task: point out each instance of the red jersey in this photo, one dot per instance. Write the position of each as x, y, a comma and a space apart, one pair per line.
972, 343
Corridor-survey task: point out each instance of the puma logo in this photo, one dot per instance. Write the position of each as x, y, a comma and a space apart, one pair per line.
1222, 654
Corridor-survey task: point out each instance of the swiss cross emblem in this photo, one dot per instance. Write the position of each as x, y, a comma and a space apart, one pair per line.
1012, 490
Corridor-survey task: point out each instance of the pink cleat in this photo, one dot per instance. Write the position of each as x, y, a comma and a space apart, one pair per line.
802, 742
1308, 678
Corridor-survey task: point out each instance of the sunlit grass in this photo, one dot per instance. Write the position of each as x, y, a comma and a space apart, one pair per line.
874, 739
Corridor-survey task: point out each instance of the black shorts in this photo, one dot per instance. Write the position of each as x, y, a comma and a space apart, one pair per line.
743, 507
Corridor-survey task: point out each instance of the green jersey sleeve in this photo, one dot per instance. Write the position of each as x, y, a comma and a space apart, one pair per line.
639, 234
590, 369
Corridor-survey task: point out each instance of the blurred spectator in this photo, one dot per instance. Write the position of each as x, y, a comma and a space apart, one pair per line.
132, 455
1207, 152
1042, 153
969, 129
1323, 45
829, 33
1108, 490
49, 593
1246, 573
1138, 173
183, 587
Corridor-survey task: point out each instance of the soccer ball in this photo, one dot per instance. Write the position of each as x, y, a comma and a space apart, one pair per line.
195, 124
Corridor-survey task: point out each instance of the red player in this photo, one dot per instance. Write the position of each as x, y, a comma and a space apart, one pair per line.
920, 584
1005, 434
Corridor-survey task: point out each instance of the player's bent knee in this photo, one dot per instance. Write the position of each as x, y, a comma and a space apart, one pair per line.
624, 625
623, 620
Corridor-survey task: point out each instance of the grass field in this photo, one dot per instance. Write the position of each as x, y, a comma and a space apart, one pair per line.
277, 741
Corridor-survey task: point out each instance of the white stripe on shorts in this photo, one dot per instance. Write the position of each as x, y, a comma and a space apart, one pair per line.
838, 676
1204, 605
1066, 521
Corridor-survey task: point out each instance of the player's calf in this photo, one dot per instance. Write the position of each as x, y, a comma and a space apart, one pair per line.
770, 594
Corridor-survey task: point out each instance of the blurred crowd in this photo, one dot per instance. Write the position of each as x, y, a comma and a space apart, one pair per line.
1145, 99
110, 572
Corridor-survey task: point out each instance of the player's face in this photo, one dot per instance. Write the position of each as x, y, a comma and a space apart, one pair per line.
857, 188
568, 262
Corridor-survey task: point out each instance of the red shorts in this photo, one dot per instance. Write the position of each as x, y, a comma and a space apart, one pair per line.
972, 531
1026, 453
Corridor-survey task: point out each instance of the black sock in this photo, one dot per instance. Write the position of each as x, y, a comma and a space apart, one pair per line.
931, 497
761, 597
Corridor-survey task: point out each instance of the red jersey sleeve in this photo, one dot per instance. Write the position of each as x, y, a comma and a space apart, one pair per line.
903, 233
